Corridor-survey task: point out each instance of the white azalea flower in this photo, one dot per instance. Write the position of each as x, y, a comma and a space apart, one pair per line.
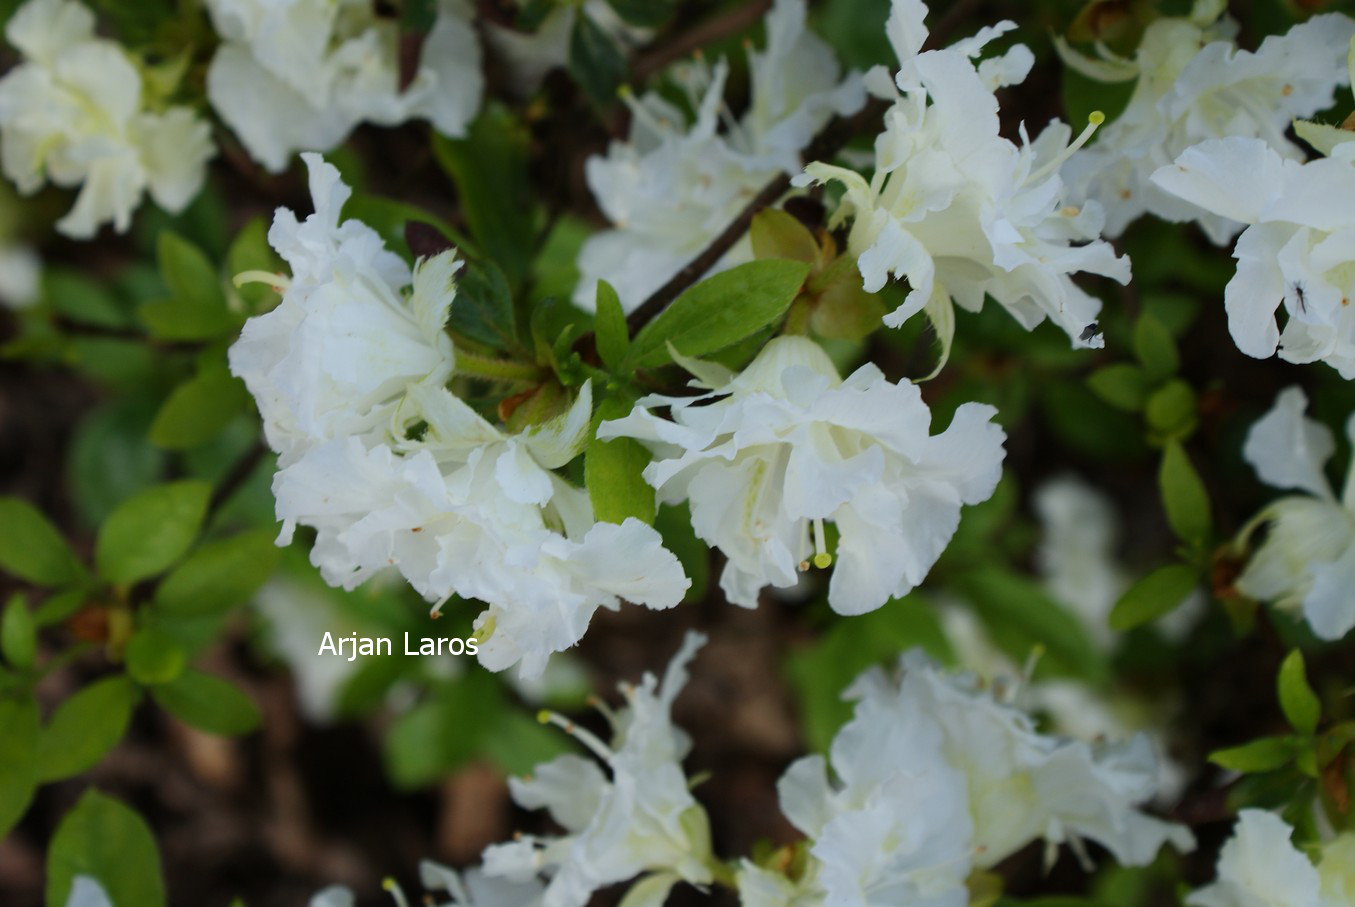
336, 356
1306, 562
1260, 867
1295, 252
641, 819
1076, 554
299, 75
343, 367
1194, 84
672, 186
788, 444
74, 113
894, 829
960, 211
1023, 785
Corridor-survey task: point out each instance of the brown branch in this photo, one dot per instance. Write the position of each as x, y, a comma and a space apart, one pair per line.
697, 37
826, 144
236, 477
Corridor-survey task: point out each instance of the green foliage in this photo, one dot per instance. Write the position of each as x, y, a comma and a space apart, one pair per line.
1263, 755
150, 531
197, 308
154, 657
219, 575
18, 756
1297, 699
644, 13
32, 549
1184, 496
489, 168
18, 634
84, 728
609, 325
1156, 594
1122, 385
208, 703
718, 311
595, 61
198, 410
106, 840
249, 251
613, 471
483, 308
458, 721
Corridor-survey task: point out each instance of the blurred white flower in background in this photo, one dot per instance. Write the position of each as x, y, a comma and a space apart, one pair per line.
20, 275
1260, 867
672, 187
956, 209
1194, 84
1306, 561
786, 445
299, 75
76, 112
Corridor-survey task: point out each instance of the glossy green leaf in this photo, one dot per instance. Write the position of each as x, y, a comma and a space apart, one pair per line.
32, 549
85, 727
483, 308
1123, 386
18, 757
1184, 496
106, 840
198, 410
18, 633
1263, 755
1297, 699
719, 311
151, 530
595, 61
1155, 348
154, 657
219, 575
613, 472
208, 703
1154, 595
609, 326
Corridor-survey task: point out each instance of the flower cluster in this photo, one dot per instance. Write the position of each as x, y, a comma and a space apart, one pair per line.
1306, 562
1193, 84
342, 370
671, 187
936, 778
957, 209
300, 75
78, 112
1260, 867
766, 457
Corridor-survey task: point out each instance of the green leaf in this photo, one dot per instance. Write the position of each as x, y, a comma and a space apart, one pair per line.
719, 311
82, 300
151, 530
1123, 386
106, 840
1263, 755
1155, 348
1172, 409
595, 61
109, 459
674, 523
609, 326
613, 470
776, 234
208, 703
1297, 700
18, 634
219, 575
85, 727
32, 549
197, 308
444, 731
1021, 617
198, 410
1184, 496
18, 757
489, 168
843, 310
483, 308
1153, 596
518, 742
154, 657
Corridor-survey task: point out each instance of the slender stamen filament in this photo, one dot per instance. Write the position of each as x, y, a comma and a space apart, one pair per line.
279, 282
822, 559
394, 891
1093, 121
584, 736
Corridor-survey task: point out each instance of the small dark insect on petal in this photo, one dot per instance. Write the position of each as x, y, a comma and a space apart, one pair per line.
1089, 332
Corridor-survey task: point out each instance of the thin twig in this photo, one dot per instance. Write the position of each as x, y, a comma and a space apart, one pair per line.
697, 37
236, 477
